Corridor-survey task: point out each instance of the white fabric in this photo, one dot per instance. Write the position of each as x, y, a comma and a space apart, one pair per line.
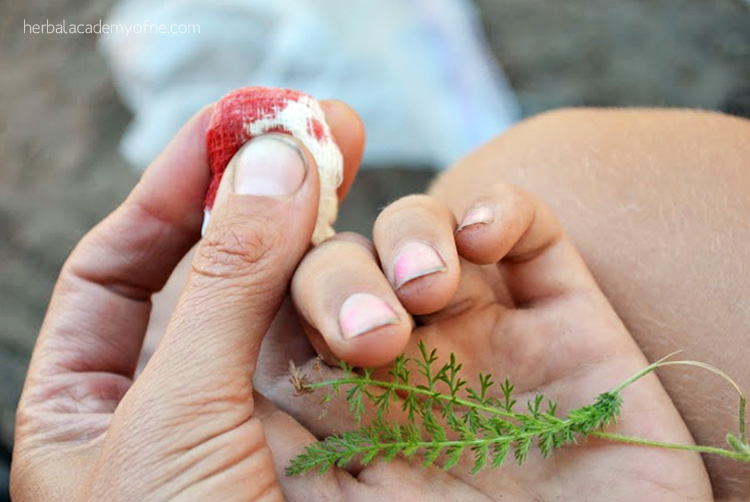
295, 118
417, 71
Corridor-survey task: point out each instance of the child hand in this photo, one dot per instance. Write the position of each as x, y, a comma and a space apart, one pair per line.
503, 288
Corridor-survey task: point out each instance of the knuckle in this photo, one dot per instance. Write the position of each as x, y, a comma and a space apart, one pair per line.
506, 190
232, 248
24, 418
414, 201
423, 207
512, 196
342, 244
354, 238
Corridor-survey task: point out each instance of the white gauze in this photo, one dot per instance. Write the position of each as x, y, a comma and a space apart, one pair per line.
295, 118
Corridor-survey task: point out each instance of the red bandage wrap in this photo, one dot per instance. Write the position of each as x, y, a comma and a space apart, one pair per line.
245, 113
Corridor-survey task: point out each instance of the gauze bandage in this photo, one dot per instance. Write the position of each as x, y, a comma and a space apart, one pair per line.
246, 113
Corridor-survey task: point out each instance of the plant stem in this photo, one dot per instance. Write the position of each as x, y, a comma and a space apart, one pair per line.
518, 422
672, 446
722, 374
415, 390
645, 371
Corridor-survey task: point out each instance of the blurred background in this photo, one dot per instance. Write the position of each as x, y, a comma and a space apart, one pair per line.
62, 119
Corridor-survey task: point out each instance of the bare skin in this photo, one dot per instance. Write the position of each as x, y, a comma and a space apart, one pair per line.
187, 428
514, 298
658, 203
191, 426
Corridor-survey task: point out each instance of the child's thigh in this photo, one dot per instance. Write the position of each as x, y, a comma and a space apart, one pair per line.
658, 202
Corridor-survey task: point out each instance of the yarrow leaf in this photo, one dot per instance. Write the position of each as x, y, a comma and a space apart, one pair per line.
443, 418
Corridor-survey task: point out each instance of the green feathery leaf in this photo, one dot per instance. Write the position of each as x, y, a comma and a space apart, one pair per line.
446, 418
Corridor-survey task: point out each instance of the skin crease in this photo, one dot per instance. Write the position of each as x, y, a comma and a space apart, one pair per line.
557, 335
548, 325
658, 203
186, 428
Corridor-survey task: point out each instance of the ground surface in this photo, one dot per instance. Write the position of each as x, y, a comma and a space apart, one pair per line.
60, 118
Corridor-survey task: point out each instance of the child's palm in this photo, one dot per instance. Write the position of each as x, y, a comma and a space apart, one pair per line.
513, 298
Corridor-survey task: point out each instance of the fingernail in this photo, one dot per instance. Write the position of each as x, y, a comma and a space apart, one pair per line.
269, 165
480, 215
363, 312
415, 260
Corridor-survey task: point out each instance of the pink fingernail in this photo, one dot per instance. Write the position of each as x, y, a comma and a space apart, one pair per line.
480, 215
363, 312
415, 260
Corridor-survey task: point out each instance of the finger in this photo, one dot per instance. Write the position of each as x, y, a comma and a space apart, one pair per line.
285, 362
260, 227
105, 286
197, 388
283, 343
100, 308
349, 134
414, 240
289, 394
288, 439
515, 228
349, 306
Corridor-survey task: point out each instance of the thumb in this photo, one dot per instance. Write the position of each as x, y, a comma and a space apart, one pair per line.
260, 227
192, 408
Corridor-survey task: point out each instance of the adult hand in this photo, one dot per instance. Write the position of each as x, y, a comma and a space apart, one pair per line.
187, 427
